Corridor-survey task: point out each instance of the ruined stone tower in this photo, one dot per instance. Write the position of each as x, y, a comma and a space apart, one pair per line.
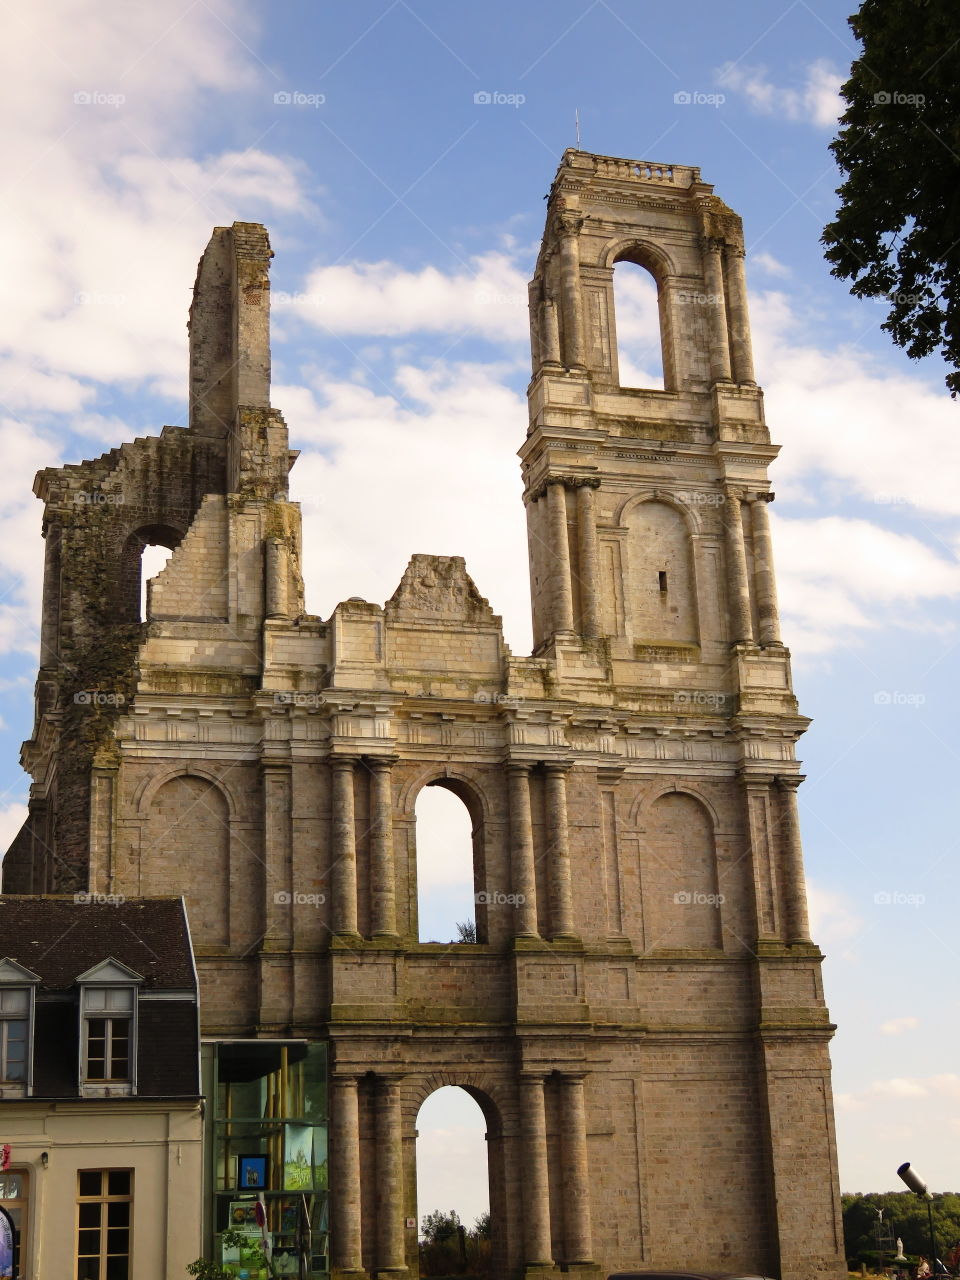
641, 1019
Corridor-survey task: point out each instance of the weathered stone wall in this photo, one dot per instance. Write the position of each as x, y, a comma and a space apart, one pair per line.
641, 1019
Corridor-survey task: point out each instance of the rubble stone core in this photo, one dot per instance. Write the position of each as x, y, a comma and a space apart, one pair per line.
641, 1019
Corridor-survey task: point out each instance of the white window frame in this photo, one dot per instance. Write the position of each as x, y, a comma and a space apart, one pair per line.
108, 976
15, 977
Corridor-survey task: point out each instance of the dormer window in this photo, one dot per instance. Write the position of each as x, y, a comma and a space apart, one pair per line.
17, 999
108, 1030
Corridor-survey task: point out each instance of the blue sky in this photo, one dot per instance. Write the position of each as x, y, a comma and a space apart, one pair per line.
405, 216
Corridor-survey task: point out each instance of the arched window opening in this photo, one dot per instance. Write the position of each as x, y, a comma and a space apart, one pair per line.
151, 563
639, 337
137, 568
453, 1195
446, 896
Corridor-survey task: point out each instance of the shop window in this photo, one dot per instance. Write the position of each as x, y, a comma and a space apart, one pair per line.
271, 1143
14, 1196
104, 1223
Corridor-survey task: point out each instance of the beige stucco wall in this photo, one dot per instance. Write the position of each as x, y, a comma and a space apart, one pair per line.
161, 1144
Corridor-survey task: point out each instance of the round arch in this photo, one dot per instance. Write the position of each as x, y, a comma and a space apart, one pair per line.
168, 535
686, 509
463, 785
644, 803
654, 258
143, 796
485, 1090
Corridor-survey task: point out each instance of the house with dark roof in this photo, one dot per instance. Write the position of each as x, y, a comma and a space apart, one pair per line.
100, 1099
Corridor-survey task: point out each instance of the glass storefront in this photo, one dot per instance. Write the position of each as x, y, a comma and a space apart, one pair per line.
270, 1150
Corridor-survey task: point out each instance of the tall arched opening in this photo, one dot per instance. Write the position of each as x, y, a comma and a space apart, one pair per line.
456, 1129
144, 554
449, 864
641, 348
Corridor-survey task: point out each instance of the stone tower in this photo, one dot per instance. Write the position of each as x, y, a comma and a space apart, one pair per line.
641, 1019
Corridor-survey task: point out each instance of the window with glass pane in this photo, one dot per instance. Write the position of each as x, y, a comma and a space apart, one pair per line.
105, 1205
108, 1024
14, 1028
13, 1197
271, 1100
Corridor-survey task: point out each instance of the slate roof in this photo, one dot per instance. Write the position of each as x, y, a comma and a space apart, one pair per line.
59, 938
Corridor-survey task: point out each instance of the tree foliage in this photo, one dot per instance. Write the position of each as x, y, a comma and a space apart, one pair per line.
906, 1215
440, 1226
896, 234
448, 1249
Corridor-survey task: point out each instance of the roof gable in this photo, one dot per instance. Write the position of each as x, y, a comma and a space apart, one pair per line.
10, 971
110, 971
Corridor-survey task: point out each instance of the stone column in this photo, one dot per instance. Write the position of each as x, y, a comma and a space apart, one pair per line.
390, 1229
763, 572
383, 891
534, 289
739, 315
738, 585
522, 869
794, 886
578, 1230
343, 874
50, 614
558, 548
573, 327
345, 1236
534, 1177
550, 334
589, 561
558, 836
716, 311
276, 574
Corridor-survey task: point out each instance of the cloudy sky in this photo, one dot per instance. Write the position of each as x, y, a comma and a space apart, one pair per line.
405, 214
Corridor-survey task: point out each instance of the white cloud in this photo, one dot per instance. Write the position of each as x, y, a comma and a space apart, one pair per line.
833, 921
816, 101
769, 264
897, 1026
487, 298
879, 1123
104, 216
12, 818
429, 467
899, 1087
24, 452
887, 436
838, 576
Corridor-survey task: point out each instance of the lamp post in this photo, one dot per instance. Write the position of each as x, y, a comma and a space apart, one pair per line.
922, 1192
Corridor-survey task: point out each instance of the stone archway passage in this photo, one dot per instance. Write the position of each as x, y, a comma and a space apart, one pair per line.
452, 1174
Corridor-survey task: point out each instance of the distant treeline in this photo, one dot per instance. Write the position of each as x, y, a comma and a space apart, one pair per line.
906, 1216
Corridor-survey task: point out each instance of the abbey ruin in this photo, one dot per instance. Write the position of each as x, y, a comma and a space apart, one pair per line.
641, 1018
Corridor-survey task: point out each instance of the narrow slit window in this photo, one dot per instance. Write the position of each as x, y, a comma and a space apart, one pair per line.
662, 576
